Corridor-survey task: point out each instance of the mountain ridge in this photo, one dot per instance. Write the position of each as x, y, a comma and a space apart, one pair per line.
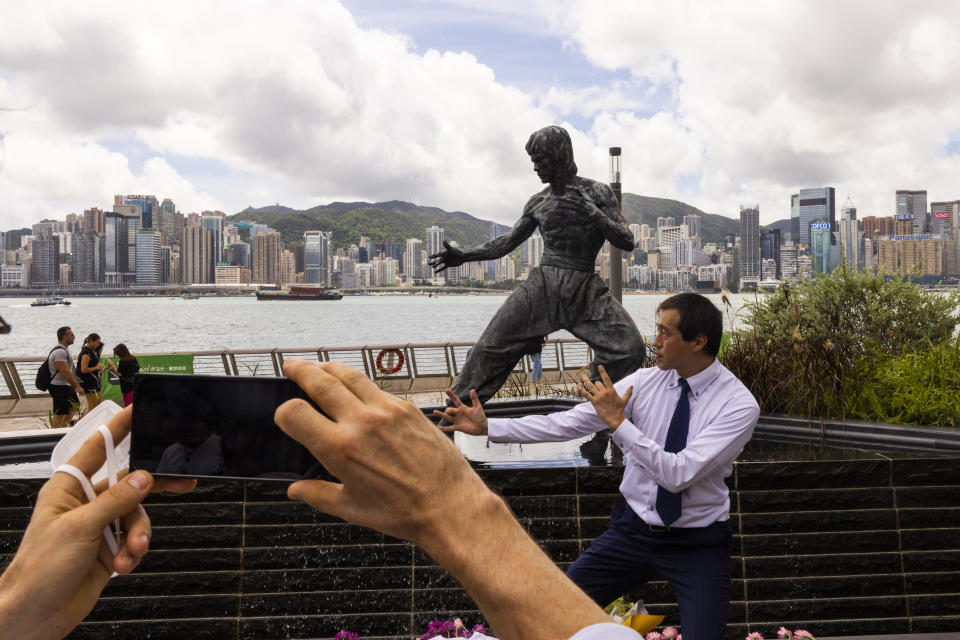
399, 220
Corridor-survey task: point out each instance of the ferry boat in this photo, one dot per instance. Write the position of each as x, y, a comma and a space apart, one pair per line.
49, 301
299, 293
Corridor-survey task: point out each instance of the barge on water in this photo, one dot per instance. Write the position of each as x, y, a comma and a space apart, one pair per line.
299, 293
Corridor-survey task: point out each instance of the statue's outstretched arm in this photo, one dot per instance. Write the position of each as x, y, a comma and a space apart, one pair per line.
497, 248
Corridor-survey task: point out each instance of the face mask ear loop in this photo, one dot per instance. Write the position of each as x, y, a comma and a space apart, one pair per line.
111, 468
112, 544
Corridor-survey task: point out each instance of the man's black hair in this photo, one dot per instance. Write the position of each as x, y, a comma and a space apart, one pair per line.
62, 331
697, 316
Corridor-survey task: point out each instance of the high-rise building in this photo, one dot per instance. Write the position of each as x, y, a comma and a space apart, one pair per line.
45, 260
913, 203
434, 242
667, 235
288, 267
533, 250
148, 206
815, 205
869, 255
506, 269
788, 261
768, 269
795, 218
241, 254
148, 257
197, 255
820, 247
317, 247
770, 248
875, 228
44, 227
214, 222
12, 239
944, 218
166, 262
86, 258
93, 220
683, 253
167, 220
74, 223
750, 242
693, 230
120, 245
849, 235
666, 221
267, 265
413, 259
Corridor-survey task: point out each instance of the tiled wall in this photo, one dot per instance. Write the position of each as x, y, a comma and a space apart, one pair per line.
842, 547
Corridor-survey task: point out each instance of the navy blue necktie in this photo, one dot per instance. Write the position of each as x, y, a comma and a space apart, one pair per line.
668, 504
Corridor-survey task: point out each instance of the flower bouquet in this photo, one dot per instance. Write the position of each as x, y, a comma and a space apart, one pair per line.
784, 634
632, 614
440, 629
668, 633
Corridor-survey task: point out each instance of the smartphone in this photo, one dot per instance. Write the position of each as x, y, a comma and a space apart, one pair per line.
203, 426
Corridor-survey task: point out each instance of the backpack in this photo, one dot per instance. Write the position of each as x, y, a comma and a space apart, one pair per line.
43, 373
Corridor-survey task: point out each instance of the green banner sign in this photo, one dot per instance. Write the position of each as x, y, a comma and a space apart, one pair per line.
179, 363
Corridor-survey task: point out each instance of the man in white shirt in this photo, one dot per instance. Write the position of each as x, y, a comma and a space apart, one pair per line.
679, 433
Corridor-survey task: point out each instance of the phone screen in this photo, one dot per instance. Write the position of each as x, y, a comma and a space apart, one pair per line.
216, 426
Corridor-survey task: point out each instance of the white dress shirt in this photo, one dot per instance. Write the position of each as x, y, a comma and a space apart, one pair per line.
723, 414
606, 631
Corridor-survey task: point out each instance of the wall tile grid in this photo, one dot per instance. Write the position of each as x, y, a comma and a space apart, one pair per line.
849, 547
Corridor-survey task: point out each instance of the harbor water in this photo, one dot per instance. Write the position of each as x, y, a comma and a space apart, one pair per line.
164, 324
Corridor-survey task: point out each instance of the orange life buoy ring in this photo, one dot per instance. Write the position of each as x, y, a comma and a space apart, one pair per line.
394, 368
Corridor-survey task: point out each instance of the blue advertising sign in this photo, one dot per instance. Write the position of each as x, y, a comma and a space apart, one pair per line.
920, 236
820, 225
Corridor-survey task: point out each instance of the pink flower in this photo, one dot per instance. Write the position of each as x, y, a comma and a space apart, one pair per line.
669, 633
653, 635
754, 636
800, 633
784, 633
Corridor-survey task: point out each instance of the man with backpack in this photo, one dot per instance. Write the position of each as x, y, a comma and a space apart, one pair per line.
64, 387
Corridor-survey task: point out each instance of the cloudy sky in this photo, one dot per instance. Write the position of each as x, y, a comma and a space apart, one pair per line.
225, 104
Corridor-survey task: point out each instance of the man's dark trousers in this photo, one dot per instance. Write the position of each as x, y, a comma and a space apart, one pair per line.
696, 563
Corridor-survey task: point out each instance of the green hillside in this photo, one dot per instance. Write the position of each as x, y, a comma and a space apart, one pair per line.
646, 210
401, 220
349, 221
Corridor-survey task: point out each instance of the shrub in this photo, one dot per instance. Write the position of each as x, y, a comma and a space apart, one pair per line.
817, 350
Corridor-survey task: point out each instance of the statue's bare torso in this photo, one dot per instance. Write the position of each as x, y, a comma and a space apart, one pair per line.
572, 232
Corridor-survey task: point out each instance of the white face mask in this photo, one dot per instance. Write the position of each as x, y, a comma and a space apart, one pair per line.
117, 457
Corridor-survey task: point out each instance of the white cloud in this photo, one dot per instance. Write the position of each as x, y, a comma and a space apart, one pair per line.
727, 102
784, 95
299, 101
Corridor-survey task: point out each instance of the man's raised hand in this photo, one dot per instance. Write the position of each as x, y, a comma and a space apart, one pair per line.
603, 396
470, 420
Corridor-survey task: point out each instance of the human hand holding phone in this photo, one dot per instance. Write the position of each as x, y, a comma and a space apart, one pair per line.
402, 476
63, 562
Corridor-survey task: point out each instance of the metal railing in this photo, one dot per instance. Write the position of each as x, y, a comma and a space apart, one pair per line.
425, 367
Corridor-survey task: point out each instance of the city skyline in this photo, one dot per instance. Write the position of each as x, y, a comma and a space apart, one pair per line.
431, 102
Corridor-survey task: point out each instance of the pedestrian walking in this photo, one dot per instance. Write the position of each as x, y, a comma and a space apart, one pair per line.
89, 369
126, 369
64, 386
